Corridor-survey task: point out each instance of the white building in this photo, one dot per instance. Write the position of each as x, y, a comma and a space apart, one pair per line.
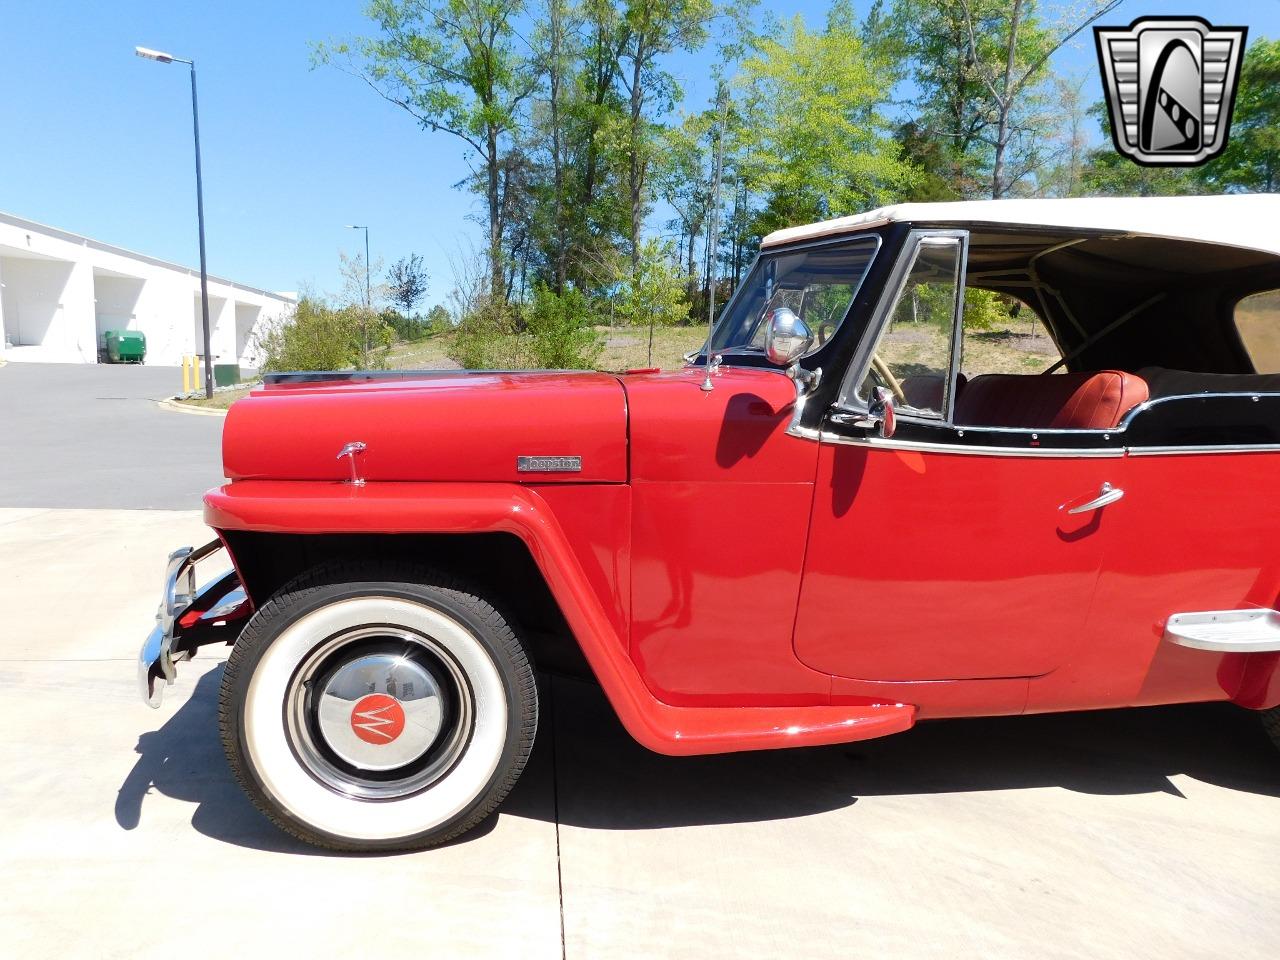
60, 292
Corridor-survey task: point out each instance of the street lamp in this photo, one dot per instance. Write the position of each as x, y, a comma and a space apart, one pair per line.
161, 57
368, 297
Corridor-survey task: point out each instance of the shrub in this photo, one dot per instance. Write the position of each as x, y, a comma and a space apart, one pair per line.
319, 337
559, 330
549, 332
406, 328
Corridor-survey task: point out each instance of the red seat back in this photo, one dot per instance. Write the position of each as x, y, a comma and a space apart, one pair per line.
1064, 401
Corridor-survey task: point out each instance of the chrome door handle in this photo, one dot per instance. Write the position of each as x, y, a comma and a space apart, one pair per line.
1108, 494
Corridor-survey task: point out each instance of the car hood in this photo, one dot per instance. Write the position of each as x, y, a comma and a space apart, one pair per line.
453, 426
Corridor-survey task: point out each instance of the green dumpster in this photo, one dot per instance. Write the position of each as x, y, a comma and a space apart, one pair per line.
226, 374
125, 346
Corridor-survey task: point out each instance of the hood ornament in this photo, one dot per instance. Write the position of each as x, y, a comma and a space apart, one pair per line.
351, 450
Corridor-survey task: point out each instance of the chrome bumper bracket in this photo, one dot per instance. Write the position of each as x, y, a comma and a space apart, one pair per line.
156, 660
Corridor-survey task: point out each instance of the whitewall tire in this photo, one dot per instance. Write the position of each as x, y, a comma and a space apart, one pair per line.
378, 709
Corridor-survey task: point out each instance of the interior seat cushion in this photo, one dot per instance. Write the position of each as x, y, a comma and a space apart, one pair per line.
925, 391
1164, 382
1064, 401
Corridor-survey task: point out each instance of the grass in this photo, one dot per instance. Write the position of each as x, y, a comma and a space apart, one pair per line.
221, 399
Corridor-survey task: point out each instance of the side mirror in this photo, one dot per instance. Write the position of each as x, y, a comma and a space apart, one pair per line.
787, 338
880, 413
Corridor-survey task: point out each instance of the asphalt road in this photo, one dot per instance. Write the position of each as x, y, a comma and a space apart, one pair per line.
92, 435
1123, 834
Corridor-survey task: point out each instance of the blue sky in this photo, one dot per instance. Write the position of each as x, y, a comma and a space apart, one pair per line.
98, 141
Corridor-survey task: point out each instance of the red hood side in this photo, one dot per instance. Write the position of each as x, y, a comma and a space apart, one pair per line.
451, 427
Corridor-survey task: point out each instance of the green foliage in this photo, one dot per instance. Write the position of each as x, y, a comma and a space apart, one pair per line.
653, 294
550, 331
819, 139
438, 319
985, 310
559, 330
1251, 160
407, 282
319, 337
407, 329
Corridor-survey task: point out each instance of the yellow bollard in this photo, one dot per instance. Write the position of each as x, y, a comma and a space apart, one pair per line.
186, 381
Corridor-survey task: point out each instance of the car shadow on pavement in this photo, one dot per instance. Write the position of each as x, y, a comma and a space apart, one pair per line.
606, 780
602, 779
183, 760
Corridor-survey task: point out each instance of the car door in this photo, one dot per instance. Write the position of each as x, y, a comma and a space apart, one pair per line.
944, 552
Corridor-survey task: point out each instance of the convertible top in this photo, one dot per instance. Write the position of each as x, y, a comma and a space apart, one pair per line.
1239, 220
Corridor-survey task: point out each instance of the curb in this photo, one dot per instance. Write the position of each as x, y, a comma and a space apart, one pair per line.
189, 409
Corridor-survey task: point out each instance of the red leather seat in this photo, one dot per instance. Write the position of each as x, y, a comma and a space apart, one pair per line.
1064, 401
925, 391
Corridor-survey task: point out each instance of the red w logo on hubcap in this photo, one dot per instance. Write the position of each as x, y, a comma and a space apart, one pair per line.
377, 718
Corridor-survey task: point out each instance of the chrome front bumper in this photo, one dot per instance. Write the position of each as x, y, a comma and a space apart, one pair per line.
188, 618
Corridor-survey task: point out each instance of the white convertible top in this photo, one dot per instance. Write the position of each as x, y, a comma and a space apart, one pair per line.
1250, 220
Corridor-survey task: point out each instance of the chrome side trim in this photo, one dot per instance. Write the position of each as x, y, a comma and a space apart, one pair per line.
827, 436
1253, 630
1155, 402
1182, 451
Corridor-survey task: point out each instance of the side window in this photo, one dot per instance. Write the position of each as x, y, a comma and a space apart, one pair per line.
1258, 323
1003, 335
913, 355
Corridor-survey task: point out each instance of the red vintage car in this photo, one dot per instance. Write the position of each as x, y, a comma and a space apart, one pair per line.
833, 524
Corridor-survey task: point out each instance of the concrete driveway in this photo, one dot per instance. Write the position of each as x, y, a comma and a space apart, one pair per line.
1133, 833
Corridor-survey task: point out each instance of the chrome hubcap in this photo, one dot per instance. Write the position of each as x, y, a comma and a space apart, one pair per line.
379, 712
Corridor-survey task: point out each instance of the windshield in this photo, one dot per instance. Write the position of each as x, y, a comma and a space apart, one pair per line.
818, 283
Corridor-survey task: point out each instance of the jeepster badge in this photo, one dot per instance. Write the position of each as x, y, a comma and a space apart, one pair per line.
549, 464
1171, 84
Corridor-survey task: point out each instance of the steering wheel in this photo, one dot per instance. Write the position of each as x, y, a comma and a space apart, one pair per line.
884, 373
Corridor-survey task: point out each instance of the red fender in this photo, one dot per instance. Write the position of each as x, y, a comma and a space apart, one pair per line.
317, 507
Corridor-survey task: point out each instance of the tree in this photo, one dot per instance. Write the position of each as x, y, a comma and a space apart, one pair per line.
948, 117
1251, 160
817, 132
650, 30
456, 67
407, 282
653, 292
1022, 47
359, 298
1064, 178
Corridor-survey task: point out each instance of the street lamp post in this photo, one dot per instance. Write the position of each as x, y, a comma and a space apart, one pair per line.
160, 57
368, 287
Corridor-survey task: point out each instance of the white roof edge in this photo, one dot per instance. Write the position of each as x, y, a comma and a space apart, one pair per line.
1240, 220
66, 235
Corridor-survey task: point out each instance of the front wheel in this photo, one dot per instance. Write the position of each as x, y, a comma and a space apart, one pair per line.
377, 709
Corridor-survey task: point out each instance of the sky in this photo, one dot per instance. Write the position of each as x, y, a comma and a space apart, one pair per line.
97, 141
